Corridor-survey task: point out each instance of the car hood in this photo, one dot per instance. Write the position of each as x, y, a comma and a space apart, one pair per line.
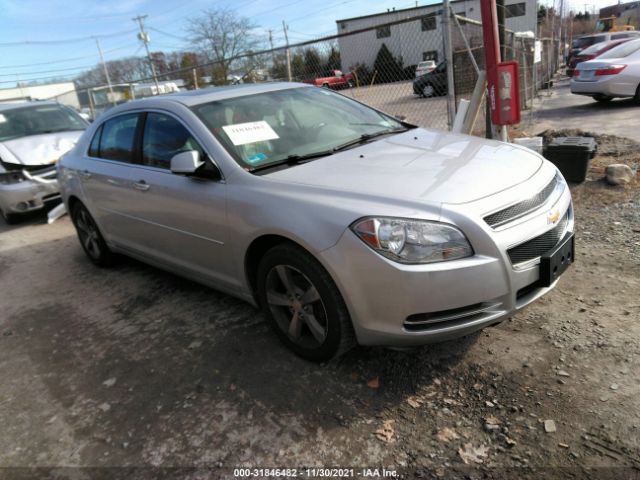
424, 165
42, 149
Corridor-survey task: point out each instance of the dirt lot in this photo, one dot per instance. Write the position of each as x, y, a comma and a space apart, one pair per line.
134, 367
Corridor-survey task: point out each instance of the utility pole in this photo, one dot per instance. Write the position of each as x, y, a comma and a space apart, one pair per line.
448, 54
273, 55
144, 36
286, 39
195, 78
106, 73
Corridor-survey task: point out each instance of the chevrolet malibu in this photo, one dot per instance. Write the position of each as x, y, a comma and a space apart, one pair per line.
344, 224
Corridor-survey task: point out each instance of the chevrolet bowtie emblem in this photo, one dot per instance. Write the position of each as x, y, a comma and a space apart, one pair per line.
553, 216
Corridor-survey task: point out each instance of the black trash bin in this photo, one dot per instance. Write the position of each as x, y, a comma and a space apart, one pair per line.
571, 155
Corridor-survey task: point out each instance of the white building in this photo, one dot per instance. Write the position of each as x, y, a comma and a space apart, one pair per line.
421, 39
64, 92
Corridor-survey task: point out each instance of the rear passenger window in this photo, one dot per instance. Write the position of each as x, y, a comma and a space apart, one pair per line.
118, 136
164, 137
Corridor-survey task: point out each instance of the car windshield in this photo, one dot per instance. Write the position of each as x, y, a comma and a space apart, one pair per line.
272, 127
622, 51
36, 120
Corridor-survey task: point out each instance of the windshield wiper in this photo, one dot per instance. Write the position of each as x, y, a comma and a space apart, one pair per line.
365, 137
295, 159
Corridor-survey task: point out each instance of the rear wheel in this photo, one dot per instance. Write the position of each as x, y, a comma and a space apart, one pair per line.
602, 98
428, 91
303, 304
636, 98
90, 237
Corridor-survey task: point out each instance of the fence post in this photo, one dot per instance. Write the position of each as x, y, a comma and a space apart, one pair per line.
448, 53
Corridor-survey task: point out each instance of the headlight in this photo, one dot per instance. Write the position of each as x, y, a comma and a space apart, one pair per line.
412, 241
11, 176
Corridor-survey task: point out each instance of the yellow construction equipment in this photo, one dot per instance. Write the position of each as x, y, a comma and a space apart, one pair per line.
612, 24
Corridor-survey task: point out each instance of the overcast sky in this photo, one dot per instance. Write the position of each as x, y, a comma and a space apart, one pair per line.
59, 31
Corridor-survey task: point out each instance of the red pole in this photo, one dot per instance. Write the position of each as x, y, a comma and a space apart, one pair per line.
502, 78
489, 14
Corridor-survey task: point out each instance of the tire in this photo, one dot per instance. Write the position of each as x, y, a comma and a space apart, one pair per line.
10, 218
636, 98
91, 239
600, 98
325, 85
318, 328
350, 84
428, 90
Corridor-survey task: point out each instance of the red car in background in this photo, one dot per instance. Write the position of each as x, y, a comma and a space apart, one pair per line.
337, 80
592, 52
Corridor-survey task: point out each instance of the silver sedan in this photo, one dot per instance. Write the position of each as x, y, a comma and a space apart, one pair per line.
615, 73
344, 224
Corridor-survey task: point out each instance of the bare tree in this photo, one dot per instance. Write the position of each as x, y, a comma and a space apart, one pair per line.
221, 35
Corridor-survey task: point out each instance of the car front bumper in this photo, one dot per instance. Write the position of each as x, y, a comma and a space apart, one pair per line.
395, 304
31, 194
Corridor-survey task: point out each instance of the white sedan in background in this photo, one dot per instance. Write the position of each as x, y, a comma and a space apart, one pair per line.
615, 73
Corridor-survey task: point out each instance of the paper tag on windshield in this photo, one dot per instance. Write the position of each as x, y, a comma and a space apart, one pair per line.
2, 118
251, 132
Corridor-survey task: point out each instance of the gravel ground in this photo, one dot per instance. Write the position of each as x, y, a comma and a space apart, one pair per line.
135, 373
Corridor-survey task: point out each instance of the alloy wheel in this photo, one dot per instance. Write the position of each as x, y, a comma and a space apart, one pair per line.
88, 233
296, 306
428, 90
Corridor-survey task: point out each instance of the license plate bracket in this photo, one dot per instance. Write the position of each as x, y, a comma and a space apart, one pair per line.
554, 262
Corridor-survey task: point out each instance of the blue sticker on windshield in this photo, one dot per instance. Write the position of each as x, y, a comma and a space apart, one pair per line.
257, 158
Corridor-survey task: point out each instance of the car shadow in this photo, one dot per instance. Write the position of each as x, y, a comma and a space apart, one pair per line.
182, 357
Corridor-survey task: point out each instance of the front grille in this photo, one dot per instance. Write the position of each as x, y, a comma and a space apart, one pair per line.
519, 209
535, 247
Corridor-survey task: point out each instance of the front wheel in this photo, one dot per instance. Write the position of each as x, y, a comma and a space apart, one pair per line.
602, 98
90, 237
303, 304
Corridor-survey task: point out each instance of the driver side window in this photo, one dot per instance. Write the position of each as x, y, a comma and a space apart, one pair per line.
164, 137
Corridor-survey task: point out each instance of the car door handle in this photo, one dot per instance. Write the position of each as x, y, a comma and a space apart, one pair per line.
84, 174
141, 185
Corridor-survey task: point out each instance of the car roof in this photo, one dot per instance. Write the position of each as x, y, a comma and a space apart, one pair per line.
12, 106
211, 94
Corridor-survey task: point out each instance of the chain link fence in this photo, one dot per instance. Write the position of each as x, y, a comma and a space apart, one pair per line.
397, 67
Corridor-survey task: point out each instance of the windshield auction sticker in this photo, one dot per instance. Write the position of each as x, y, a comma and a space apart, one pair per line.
251, 132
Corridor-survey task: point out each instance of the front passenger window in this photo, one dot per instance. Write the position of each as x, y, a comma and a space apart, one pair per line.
164, 137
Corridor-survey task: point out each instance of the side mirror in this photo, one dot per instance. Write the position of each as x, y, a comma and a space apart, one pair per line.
186, 163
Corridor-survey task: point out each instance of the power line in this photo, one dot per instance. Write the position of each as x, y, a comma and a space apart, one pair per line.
66, 59
168, 34
68, 40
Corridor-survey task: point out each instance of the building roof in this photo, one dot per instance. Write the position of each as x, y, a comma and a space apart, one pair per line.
403, 10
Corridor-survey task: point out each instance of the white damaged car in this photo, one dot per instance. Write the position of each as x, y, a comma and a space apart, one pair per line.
33, 136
